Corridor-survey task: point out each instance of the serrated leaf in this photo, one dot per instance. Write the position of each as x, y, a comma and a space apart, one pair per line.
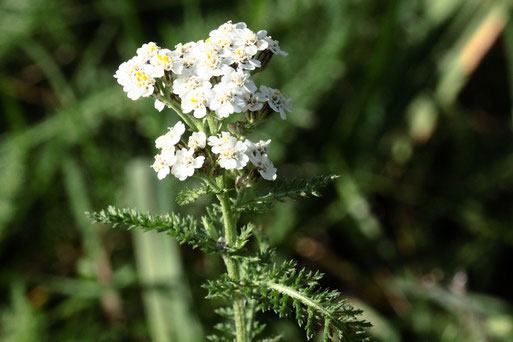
295, 188
189, 195
292, 293
184, 229
298, 294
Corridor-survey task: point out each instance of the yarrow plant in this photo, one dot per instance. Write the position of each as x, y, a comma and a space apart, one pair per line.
209, 85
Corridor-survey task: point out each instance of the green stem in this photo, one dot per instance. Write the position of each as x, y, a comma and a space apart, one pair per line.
230, 230
250, 315
228, 219
212, 125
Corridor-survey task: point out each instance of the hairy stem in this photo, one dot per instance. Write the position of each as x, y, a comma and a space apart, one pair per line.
230, 231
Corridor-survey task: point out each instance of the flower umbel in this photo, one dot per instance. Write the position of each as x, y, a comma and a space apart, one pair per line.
211, 76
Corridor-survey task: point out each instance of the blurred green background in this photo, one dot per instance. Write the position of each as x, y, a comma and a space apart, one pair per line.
410, 101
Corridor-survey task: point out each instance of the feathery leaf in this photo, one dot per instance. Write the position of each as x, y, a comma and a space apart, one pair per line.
189, 195
184, 229
295, 188
289, 292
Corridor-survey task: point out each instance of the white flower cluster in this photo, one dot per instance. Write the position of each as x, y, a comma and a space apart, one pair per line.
182, 162
231, 153
208, 76
138, 75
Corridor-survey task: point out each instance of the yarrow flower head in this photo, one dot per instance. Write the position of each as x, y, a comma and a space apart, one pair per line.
207, 82
218, 70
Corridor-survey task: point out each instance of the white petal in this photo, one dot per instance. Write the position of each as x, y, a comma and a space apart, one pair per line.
159, 105
163, 173
269, 173
198, 162
200, 112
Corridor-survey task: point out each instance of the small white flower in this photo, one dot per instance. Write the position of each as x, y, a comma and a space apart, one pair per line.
136, 78
275, 47
250, 41
257, 153
197, 100
223, 102
240, 80
187, 82
197, 140
216, 141
277, 101
226, 27
148, 50
267, 170
230, 150
186, 163
172, 137
127, 70
163, 162
211, 64
183, 49
250, 101
240, 57
141, 85
192, 54
258, 148
166, 60
265, 167
220, 39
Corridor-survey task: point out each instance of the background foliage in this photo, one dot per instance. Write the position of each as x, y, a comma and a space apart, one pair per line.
410, 101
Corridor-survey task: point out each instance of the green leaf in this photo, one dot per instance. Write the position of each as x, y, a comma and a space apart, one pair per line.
184, 229
286, 291
189, 195
295, 188
289, 292
224, 332
245, 234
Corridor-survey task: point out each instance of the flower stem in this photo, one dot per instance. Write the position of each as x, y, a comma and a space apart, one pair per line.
212, 125
230, 230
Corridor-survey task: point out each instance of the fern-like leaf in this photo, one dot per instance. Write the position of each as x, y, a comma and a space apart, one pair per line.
189, 195
184, 229
225, 332
289, 292
295, 188
245, 234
